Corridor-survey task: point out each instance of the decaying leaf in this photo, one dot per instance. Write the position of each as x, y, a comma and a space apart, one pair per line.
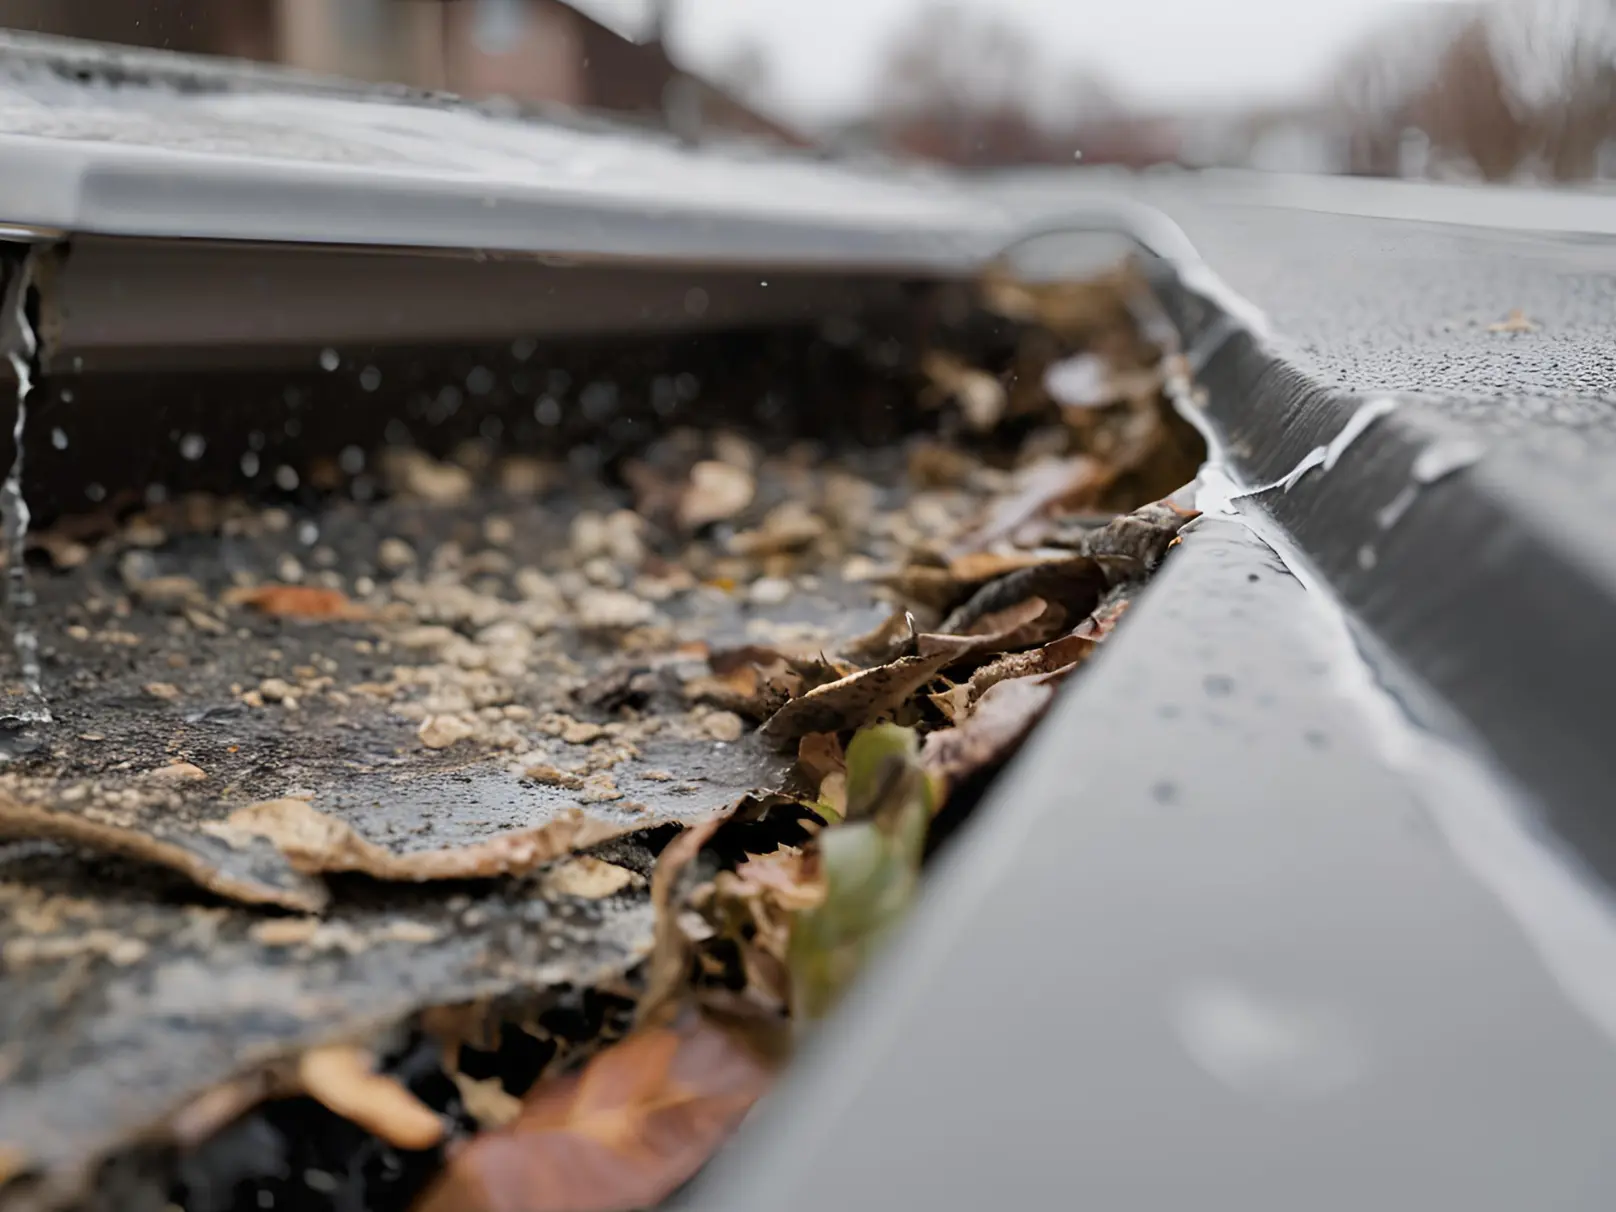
1131, 546
1022, 625
854, 700
894, 637
870, 866
242, 871
991, 729
671, 885
343, 1079
1065, 485
1063, 653
304, 602
632, 1126
318, 844
1074, 583
820, 754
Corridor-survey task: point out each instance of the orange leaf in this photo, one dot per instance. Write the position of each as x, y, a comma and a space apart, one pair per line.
625, 1132
299, 602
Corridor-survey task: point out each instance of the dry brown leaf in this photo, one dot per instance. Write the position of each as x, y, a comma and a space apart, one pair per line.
956, 702
991, 731
893, 638
342, 1078
716, 492
1062, 486
667, 969
1022, 625
980, 567
637, 1122
317, 844
1074, 583
756, 692
855, 700
1131, 546
820, 755
304, 602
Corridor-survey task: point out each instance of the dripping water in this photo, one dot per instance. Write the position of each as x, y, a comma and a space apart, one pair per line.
22, 351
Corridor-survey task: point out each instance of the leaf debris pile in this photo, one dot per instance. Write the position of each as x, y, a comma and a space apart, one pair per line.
348, 863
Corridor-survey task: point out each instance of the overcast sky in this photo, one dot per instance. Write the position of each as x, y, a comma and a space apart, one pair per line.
824, 54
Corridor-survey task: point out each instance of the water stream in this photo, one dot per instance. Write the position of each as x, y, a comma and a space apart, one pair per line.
21, 351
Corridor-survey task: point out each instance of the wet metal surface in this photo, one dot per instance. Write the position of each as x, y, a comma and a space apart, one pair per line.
1272, 981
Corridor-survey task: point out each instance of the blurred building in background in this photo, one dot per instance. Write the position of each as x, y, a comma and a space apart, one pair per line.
1489, 90
529, 50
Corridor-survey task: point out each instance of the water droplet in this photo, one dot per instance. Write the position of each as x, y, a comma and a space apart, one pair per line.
192, 447
293, 426
308, 533
599, 401
255, 440
329, 359
351, 460
762, 283
156, 494
1367, 558
66, 394
547, 411
59, 438
688, 386
285, 477
1218, 685
480, 381
696, 302
249, 464
491, 428
370, 378
522, 348
95, 492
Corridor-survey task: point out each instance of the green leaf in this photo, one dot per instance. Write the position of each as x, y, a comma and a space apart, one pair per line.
871, 868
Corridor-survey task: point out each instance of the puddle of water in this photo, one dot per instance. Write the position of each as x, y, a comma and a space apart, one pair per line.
14, 521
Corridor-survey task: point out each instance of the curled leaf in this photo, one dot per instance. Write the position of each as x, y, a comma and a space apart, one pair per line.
667, 970
957, 701
626, 1131
990, 732
317, 844
854, 700
1074, 583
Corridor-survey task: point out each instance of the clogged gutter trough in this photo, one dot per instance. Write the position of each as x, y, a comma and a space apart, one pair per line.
517, 645
452, 666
